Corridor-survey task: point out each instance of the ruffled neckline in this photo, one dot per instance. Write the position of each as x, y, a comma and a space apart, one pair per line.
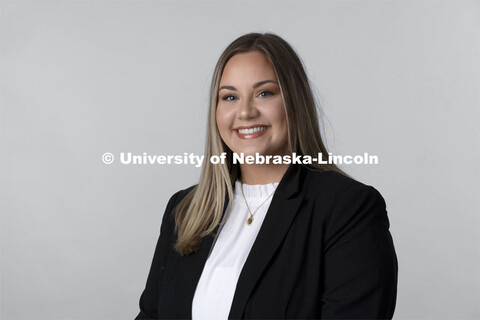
255, 190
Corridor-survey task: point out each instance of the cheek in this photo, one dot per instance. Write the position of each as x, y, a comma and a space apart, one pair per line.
279, 116
223, 120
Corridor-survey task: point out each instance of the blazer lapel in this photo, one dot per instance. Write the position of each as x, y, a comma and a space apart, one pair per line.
279, 217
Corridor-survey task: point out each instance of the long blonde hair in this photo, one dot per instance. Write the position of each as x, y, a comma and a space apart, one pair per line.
201, 210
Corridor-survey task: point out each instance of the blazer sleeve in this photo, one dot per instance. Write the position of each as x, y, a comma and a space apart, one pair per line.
360, 266
159, 259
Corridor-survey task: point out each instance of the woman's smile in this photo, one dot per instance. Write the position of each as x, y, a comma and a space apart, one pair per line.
251, 132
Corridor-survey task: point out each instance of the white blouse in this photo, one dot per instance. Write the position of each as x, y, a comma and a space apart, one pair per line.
216, 287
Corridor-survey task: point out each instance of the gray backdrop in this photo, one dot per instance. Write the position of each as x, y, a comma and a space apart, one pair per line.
81, 78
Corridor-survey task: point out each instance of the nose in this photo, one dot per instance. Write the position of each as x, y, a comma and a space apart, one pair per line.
247, 109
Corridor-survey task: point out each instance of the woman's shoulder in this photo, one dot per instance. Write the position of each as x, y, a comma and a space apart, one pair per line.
168, 216
337, 185
175, 200
179, 195
347, 200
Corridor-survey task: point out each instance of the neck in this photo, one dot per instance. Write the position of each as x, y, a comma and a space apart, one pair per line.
262, 173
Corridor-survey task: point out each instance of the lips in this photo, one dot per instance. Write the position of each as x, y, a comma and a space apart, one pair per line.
250, 132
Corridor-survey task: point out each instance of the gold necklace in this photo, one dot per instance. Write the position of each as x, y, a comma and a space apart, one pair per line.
250, 219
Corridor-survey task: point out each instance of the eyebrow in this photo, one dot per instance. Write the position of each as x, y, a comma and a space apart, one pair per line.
256, 85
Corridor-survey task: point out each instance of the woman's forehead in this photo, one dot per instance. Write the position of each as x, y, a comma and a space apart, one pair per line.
247, 67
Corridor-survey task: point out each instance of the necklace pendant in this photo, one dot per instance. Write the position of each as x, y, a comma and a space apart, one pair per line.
249, 221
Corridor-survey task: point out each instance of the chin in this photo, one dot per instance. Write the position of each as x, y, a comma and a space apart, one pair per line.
248, 152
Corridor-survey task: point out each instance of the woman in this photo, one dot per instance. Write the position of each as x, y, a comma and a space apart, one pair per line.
270, 241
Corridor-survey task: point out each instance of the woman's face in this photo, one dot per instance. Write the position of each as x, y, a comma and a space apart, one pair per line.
250, 111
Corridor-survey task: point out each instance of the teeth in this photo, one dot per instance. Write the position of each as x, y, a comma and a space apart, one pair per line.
251, 130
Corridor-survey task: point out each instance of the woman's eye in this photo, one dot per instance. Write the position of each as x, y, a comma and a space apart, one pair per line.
228, 98
265, 93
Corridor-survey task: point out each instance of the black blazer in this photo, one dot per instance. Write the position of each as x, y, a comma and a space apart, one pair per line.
324, 251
